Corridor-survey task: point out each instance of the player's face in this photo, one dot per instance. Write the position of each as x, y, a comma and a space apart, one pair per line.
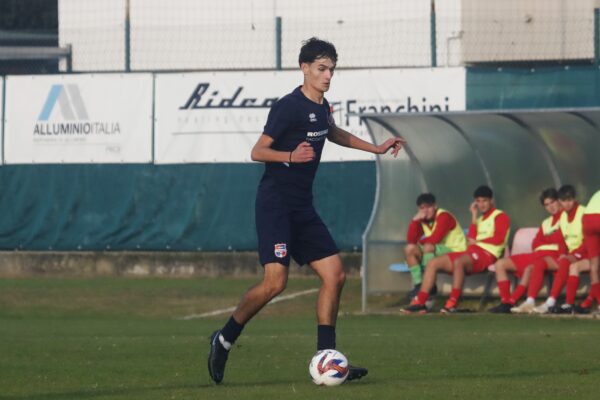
552, 206
428, 211
567, 204
484, 204
318, 74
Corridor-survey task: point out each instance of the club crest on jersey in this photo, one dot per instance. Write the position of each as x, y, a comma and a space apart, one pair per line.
280, 250
312, 117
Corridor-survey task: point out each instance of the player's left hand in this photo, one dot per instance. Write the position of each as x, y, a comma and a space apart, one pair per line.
394, 143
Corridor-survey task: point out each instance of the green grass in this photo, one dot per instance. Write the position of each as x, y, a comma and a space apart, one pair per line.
121, 339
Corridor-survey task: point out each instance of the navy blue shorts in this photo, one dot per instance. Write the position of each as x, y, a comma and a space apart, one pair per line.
284, 233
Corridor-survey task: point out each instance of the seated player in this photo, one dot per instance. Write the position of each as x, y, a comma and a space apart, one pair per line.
432, 232
547, 242
571, 229
569, 306
591, 240
487, 238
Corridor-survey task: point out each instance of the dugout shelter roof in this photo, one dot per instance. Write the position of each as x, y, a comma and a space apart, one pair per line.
517, 153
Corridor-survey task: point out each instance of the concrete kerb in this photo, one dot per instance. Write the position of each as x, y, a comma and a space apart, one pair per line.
17, 264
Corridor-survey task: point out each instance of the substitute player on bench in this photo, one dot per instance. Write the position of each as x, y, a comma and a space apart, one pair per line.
548, 242
432, 232
487, 238
591, 240
571, 228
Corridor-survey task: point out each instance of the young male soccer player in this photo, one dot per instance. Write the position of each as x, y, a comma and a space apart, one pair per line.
591, 235
591, 240
572, 231
286, 221
487, 238
548, 242
432, 232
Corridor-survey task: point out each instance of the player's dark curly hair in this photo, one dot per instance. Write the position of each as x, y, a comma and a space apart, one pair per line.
549, 193
483, 191
425, 198
566, 192
315, 48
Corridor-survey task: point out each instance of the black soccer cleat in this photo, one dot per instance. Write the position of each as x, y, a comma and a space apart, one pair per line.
415, 290
217, 358
502, 308
433, 291
578, 309
355, 372
564, 309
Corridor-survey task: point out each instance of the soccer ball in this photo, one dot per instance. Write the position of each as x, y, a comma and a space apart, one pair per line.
328, 367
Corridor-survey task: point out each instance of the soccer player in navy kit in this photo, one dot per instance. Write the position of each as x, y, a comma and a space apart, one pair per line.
286, 222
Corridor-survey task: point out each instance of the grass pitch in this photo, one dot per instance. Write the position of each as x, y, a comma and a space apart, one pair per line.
121, 338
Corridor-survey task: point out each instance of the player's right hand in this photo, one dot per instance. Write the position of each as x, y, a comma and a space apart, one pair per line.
303, 153
473, 208
419, 216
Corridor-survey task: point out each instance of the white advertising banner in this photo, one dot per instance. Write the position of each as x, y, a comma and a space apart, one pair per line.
105, 118
217, 117
1, 117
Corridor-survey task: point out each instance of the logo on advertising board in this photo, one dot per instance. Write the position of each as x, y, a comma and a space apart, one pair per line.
201, 98
232, 110
74, 120
205, 97
218, 116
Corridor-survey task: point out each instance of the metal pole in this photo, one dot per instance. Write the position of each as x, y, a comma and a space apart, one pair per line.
278, 43
433, 35
69, 58
127, 38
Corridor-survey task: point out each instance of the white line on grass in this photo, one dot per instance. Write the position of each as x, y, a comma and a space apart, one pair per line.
232, 309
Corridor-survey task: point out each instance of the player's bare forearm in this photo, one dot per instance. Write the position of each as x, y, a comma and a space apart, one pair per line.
344, 138
263, 152
267, 154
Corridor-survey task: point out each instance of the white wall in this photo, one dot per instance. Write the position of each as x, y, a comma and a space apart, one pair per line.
190, 34
95, 29
513, 30
240, 34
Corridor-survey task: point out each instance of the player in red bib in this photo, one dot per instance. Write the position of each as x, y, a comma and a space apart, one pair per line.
432, 232
591, 240
487, 238
548, 242
571, 228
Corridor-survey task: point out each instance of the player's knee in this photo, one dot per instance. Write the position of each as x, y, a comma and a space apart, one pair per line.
428, 248
410, 250
335, 279
274, 287
574, 269
459, 265
434, 265
340, 278
502, 263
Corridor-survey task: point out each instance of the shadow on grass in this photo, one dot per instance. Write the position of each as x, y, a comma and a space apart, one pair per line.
91, 393
516, 374
139, 391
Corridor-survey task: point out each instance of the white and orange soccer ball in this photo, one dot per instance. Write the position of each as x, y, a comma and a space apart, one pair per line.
328, 367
